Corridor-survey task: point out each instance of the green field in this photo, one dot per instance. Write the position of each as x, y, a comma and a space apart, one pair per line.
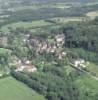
10, 89
64, 20
26, 25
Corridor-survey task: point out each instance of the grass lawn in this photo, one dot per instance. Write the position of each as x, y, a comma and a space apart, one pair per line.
26, 25
11, 89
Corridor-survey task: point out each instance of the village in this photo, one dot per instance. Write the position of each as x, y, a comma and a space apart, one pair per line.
39, 46
49, 46
53, 46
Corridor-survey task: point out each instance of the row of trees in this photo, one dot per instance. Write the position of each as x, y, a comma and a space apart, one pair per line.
52, 82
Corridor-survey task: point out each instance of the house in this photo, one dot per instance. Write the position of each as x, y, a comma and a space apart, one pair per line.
64, 53
44, 46
61, 55
26, 37
26, 67
79, 63
14, 61
34, 42
3, 40
60, 39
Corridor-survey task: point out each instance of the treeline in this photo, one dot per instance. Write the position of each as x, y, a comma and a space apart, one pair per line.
52, 82
85, 36
84, 54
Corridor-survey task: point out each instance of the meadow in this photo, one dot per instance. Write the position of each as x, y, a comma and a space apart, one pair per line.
11, 89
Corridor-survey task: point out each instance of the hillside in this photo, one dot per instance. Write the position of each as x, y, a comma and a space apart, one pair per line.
48, 49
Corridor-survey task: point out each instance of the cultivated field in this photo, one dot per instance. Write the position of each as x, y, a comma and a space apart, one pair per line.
10, 89
92, 14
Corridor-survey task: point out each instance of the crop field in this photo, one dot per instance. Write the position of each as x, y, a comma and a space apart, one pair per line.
92, 14
11, 89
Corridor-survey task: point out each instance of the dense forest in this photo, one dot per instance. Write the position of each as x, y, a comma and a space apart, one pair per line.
83, 36
58, 86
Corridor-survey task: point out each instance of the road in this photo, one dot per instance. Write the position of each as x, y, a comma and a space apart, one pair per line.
88, 73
